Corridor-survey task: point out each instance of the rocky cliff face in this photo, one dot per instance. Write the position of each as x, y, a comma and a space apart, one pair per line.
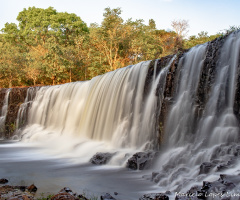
16, 98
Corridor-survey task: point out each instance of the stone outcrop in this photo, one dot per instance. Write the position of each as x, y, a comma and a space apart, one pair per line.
107, 196
16, 98
3, 181
67, 193
154, 196
141, 160
101, 158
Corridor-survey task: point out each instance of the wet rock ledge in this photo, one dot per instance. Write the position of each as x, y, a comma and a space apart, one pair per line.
16, 98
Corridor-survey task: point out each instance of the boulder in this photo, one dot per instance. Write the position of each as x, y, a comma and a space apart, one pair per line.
154, 196
32, 188
67, 193
141, 160
206, 167
107, 196
3, 181
101, 158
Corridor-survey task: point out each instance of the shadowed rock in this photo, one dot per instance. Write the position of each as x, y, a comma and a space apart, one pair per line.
107, 196
101, 158
154, 196
141, 160
3, 181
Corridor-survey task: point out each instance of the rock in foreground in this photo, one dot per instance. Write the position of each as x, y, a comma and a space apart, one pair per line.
154, 196
107, 196
3, 181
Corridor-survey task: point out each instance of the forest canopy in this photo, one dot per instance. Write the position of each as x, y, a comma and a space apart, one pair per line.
49, 47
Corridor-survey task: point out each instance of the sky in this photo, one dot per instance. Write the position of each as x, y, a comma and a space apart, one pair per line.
210, 16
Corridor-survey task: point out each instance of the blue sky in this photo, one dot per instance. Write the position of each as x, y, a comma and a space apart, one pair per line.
211, 16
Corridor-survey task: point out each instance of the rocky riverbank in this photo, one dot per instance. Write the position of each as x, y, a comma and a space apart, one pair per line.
224, 188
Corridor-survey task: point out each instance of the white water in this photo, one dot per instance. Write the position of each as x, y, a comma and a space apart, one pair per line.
190, 142
23, 109
107, 114
4, 113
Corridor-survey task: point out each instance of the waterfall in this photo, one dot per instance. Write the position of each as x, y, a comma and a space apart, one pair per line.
111, 111
22, 115
211, 138
4, 112
119, 112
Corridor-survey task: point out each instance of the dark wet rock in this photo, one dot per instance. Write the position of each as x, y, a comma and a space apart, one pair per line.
101, 158
141, 160
3, 181
107, 196
222, 167
23, 188
168, 192
67, 193
154, 196
32, 188
157, 176
115, 193
81, 197
208, 73
16, 98
206, 167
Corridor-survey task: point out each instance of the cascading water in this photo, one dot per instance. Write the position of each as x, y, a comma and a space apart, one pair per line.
191, 142
4, 113
108, 113
23, 109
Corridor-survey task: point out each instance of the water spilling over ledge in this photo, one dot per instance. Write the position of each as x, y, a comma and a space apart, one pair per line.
186, 107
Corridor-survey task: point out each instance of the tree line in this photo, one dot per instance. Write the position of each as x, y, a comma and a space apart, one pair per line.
49, 47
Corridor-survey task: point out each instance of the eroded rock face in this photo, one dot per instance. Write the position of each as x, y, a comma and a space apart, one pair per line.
2, 96
141, 160
101, 158
16, 98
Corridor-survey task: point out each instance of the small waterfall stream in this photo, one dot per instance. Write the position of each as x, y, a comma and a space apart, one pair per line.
24, 107
4, 113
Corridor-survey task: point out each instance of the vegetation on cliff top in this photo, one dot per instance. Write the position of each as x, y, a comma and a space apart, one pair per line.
49, 47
